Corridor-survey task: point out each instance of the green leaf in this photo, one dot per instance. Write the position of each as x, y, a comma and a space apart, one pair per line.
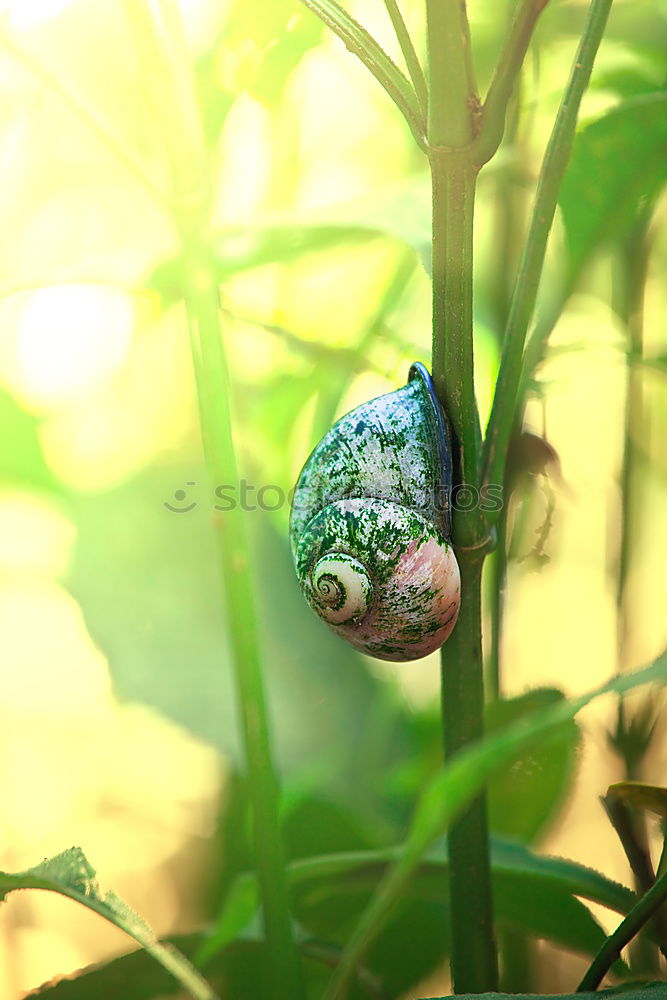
244, 248
137, 977
233, 968
618, 165
268, 39
535, 893
148, 586
525, 797
451, 791
21, 457
651, 991
71, 874
385, 71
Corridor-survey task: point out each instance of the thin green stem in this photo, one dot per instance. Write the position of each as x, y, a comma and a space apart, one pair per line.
411, 58
532, 260
497, 584
628, 293
160, 36
86, 113
630, 289
388, 75
504, 80
624, 933
631, 829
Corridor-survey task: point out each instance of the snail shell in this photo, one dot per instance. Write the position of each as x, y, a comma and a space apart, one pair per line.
370, 524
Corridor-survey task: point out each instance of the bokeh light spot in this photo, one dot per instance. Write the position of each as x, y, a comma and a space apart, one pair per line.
70, 338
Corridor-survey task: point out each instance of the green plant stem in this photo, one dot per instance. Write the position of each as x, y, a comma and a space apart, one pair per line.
451, 124
497, 585
446, 795
160, 36
628, 291
631, 830
504, 80
409, 54
451, 88
629, 306
453, 185
525, 291
516, 949
474, 961
624, 933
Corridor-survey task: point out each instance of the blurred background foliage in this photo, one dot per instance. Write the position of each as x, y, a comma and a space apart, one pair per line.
116, 699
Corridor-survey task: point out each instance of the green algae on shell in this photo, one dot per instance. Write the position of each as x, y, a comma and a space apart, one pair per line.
369, 525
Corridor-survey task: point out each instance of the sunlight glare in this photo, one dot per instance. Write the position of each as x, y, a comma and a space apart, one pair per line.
53, 668
27, 13
35, 536
70, 338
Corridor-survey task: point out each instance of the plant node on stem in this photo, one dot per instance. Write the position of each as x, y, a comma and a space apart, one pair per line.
451, 125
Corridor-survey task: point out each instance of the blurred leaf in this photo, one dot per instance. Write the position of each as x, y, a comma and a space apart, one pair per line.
237, 970
631, 81
241, 970
535, 893
232, 844
314, 825
459, 781
245, 248
363, 45
636, 793
446, 795
525, 795
400, 211
137, 977
21, 457
528, 795
273, 36
147, 582
71, 874
618, 165
649, 991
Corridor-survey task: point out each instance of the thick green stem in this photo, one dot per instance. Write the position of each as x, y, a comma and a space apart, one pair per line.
452, 96
474, 963
453, 181
171, 88
451, 125
525, 292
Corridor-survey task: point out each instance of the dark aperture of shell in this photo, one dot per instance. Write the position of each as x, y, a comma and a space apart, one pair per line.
370, 525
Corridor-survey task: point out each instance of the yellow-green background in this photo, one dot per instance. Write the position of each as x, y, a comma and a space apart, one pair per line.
116, 701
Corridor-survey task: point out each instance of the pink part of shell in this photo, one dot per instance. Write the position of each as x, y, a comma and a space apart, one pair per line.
419, 606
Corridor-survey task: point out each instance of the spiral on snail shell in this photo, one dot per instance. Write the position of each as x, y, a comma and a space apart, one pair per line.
370, 525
